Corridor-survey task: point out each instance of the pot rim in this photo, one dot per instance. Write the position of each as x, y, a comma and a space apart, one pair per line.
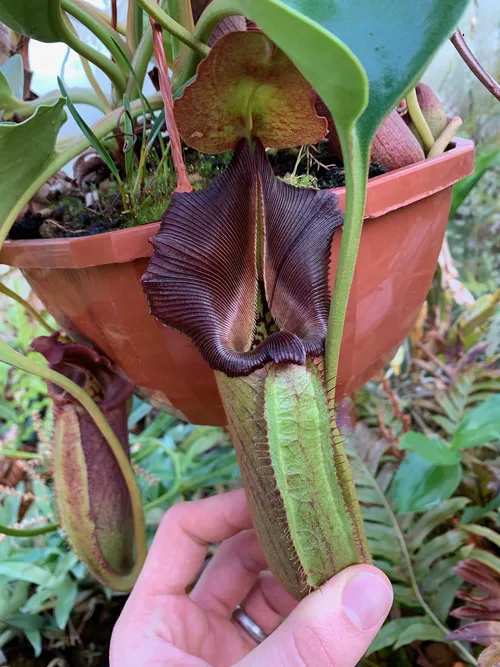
386, 193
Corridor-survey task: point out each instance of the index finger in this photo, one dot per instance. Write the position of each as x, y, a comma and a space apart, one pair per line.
184, 535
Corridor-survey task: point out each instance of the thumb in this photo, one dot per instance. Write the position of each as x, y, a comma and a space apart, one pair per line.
334, 625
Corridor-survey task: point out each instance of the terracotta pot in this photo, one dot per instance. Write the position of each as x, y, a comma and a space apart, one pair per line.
91, 286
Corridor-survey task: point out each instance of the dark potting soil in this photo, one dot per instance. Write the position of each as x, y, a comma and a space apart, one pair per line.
68, 216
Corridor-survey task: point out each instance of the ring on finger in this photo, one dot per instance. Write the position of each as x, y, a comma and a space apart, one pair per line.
246, 622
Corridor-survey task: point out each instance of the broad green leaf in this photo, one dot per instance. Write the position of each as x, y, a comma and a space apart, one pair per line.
40, 19
419, 485
433, 450
34, 138
479, 426
13, 71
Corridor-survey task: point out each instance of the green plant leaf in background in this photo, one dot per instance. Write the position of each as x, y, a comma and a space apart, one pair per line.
479, 426
433, 450
419, 485
9, 100
13, 71
25, 149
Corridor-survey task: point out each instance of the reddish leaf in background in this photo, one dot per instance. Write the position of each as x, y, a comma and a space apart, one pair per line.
484, 600
245, 88
483, 632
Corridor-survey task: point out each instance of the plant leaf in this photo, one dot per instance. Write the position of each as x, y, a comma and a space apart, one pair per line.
38, 19
483, 632
419, 485
433, 450
24, 572
421, 631
67, 593
39, 132
480, 425
94, 141
478, 511
203, 277
13, 72
392, 631
246, 88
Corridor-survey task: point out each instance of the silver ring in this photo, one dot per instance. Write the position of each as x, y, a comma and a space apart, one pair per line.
240, 617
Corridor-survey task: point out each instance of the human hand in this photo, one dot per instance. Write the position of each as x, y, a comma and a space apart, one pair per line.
161, 625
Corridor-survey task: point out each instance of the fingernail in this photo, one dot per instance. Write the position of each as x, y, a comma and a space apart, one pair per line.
366, 599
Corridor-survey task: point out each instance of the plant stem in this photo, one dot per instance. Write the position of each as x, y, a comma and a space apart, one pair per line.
167, 23
100, 14
407, 558
445, 137
356, 170
102, 31
28, 532
139, 23
100, 60
77, 96
132, 40
142, 56
180, 11
13, 358
95, 85
27, 306
419, 120
140, 63
204, 28
14, 454
183, 184
474, 65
